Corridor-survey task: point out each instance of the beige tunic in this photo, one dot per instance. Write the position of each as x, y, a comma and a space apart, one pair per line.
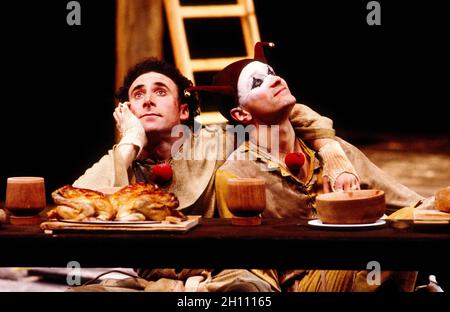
285, 197
288, 197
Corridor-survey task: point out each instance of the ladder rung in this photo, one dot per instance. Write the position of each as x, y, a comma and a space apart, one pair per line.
212, 11
213, 64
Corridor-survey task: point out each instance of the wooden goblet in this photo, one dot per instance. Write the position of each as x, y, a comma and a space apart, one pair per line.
25, 199
246, 200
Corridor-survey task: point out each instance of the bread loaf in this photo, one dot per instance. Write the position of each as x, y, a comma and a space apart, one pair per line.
442, 199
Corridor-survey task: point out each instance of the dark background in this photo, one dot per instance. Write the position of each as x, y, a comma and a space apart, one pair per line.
58, 80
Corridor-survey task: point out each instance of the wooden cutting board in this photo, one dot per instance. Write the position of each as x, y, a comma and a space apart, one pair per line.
50, 227
431, 217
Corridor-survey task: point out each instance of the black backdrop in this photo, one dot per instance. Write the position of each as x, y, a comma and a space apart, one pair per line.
58, 80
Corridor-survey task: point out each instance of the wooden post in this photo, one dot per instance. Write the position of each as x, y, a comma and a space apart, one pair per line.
139, 34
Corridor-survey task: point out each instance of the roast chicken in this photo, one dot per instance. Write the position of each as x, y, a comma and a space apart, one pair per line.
140, 201
135, 202
81, 205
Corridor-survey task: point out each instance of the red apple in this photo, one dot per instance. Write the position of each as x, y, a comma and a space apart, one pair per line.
162, 172
294, 161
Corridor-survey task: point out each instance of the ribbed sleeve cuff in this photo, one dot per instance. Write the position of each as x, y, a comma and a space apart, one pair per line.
335, 162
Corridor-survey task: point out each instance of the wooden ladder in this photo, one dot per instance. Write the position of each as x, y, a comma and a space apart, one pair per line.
176, 13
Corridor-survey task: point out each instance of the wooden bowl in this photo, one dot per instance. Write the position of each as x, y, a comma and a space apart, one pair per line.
353, 207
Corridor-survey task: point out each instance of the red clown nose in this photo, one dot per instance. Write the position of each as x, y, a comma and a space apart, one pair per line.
162, 172
294, 161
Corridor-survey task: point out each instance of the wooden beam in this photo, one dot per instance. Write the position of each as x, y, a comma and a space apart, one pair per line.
139, 34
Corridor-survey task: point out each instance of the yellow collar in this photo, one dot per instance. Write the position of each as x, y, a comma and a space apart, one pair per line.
273, 164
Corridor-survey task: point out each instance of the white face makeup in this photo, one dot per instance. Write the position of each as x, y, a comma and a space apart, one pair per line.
251, 77
263, 95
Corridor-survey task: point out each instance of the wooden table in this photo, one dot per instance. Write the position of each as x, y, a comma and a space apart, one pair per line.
280, 243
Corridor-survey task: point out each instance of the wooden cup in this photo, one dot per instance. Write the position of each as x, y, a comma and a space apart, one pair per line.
25, 199
246, 200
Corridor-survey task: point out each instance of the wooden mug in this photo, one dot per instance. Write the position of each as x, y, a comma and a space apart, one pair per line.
25, 199
246, 200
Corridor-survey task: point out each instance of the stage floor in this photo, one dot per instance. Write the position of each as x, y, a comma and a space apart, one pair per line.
421, 163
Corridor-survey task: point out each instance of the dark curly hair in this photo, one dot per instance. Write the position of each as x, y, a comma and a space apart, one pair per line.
155, 65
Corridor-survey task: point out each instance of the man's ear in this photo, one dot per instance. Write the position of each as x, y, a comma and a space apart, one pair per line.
184, 112
241, 115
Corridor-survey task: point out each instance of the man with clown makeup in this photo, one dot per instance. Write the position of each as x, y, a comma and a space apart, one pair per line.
250, 93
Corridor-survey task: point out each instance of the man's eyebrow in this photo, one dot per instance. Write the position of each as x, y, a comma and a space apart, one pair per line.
161, 84
137, 87
158, 84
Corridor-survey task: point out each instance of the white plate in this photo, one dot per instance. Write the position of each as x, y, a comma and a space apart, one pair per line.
110, 222
319, 223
